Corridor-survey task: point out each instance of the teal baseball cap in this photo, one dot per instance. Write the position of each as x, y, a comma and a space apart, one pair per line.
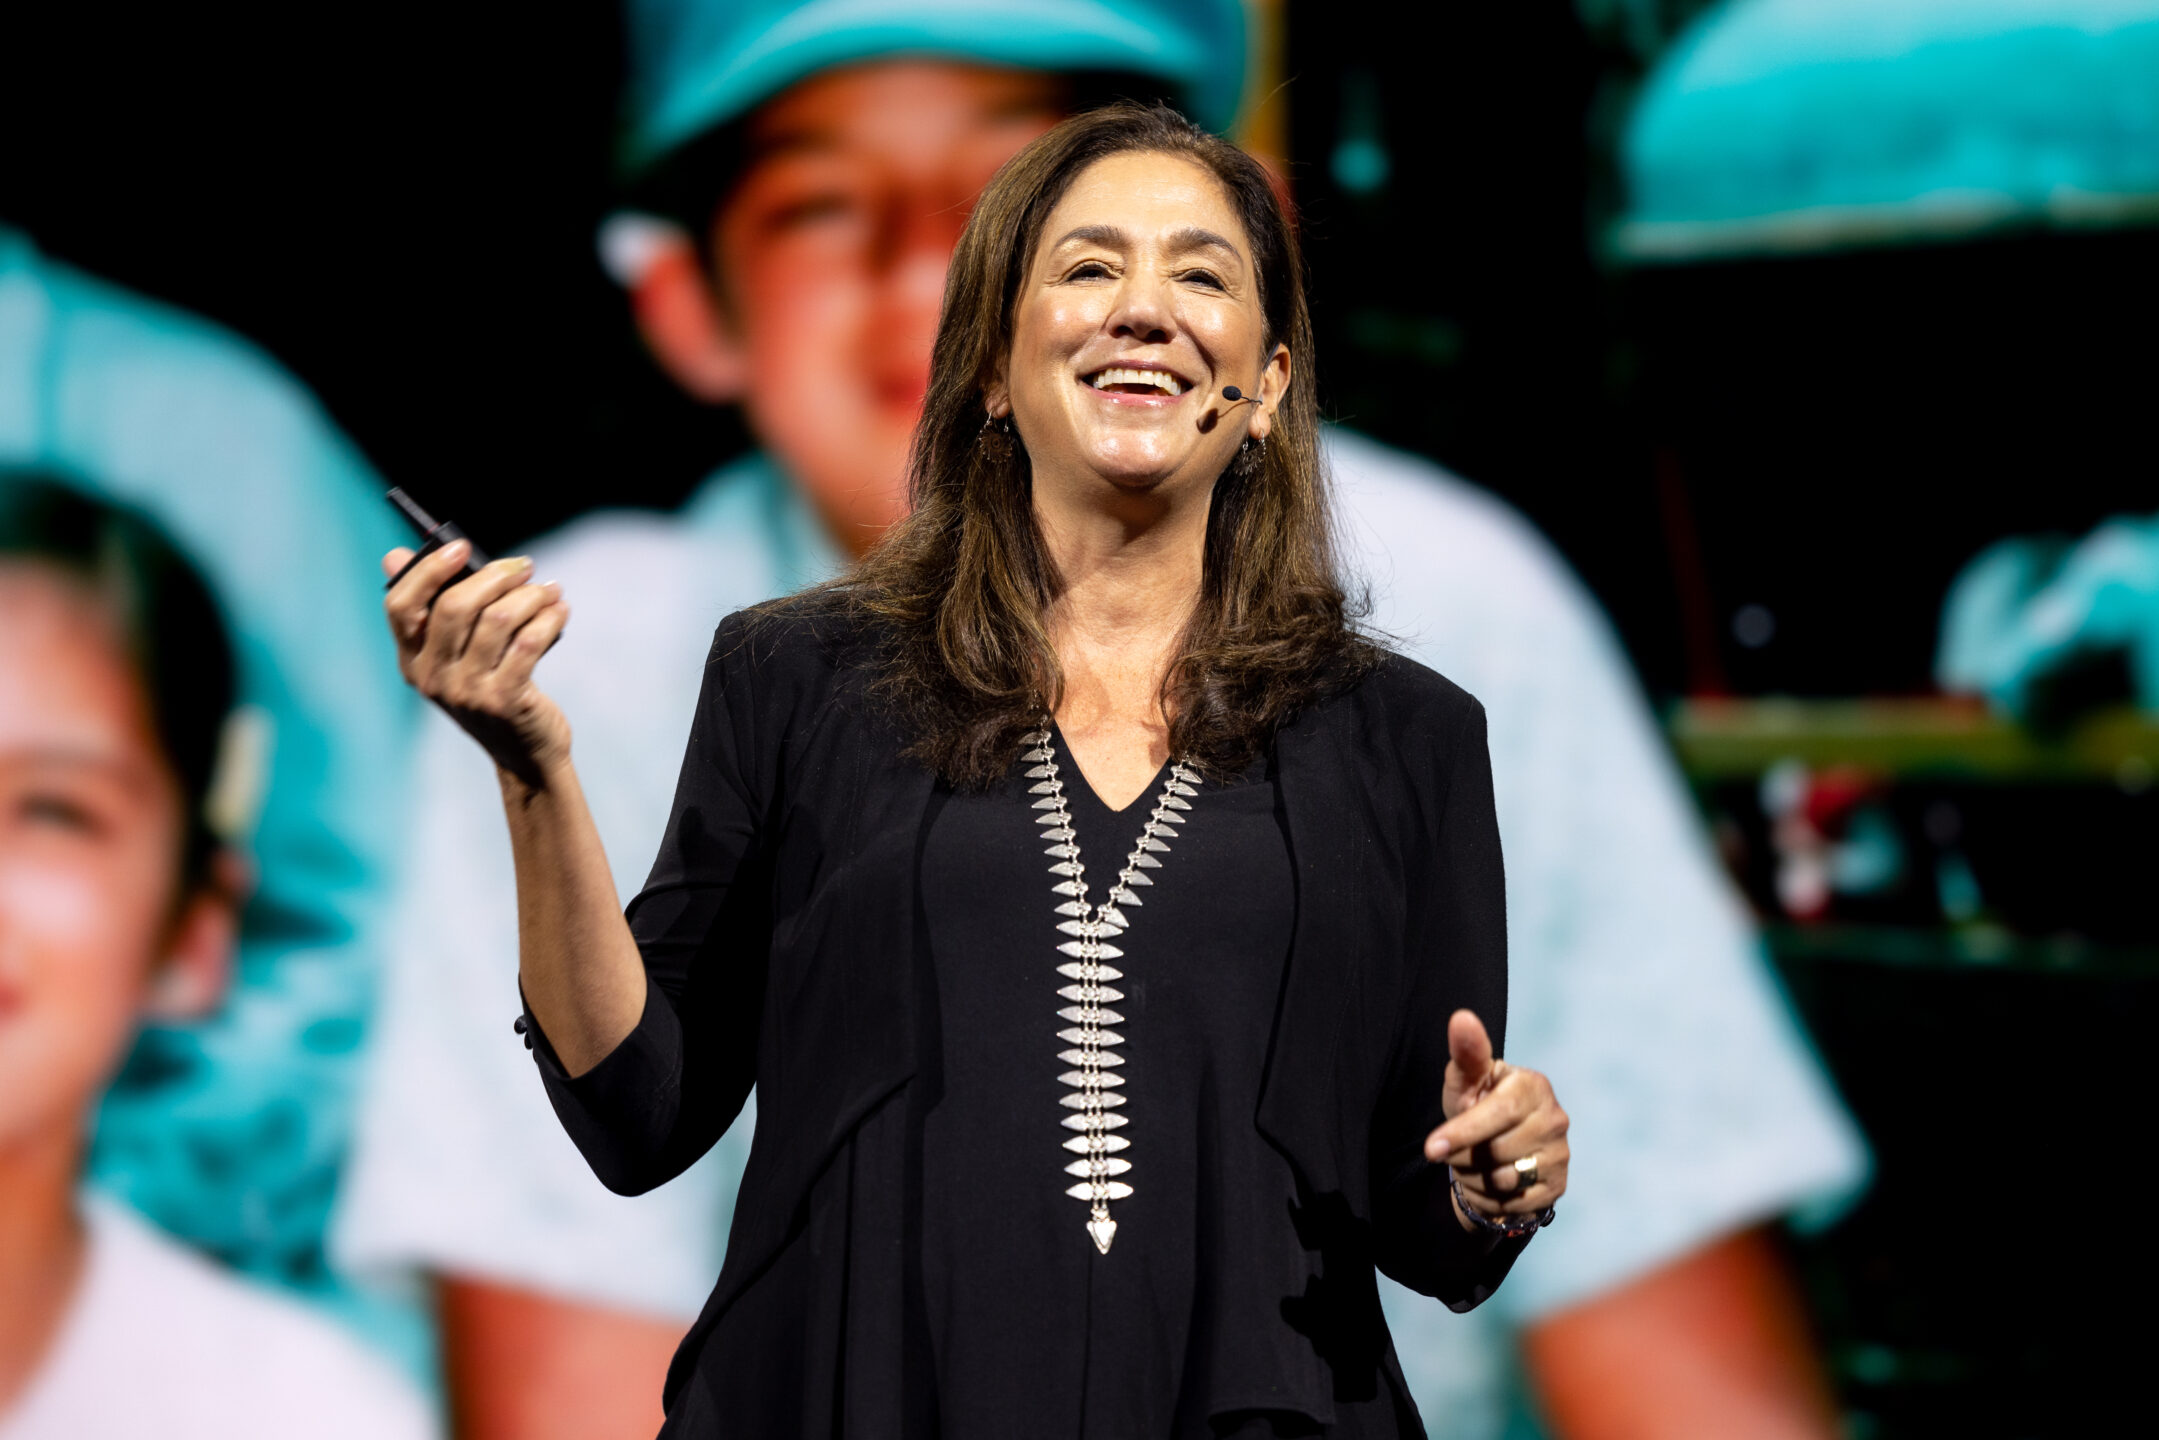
697, 64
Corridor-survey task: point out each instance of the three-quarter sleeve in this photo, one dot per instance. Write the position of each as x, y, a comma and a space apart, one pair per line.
669, 1090
1456, 958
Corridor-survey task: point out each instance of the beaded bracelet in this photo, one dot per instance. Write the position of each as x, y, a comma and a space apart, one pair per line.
1509, 1227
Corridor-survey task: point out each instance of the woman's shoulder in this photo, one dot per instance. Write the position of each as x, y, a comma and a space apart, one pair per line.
1396, 729
1395, 692
813, 635
809, 660
1400, 732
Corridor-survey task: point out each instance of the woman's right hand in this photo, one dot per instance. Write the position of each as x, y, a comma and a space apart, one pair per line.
471, 649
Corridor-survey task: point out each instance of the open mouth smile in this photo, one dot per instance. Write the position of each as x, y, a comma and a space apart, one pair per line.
1137, 380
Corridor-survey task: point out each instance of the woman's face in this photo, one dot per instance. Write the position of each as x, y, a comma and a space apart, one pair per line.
1140, 305
92, 930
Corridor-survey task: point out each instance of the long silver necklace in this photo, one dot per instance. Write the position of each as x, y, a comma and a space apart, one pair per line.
1096, 1089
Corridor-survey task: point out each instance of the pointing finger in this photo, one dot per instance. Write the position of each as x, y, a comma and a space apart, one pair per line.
1469, 1048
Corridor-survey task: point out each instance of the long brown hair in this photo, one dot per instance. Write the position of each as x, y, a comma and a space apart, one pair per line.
955, 593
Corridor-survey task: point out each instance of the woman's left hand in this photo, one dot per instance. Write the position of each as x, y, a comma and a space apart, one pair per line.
1505, 1135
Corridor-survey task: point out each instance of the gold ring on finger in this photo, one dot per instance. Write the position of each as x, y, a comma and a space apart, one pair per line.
1525, 1172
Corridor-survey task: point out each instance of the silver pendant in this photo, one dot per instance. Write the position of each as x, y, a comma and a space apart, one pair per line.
1093, 1088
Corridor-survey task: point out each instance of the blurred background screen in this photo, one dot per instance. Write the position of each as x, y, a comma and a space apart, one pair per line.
1816, 337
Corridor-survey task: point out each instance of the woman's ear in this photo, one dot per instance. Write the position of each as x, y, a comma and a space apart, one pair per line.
683, 323
1274, 380
196, 969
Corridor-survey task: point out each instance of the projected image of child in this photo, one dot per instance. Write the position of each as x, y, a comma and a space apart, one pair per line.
120, 905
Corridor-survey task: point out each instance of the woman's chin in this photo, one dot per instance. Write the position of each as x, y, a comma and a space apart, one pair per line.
1140, 470
1134, 477
1110, 487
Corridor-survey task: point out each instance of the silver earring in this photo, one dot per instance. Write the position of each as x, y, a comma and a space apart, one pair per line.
1251, 458
997, 436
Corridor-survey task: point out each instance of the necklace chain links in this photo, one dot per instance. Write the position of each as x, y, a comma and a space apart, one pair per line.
1095, 1093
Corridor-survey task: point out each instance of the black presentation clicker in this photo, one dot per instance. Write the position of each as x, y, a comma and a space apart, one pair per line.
433, 535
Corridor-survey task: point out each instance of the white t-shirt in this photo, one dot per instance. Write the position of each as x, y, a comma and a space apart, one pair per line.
160, 1342
1636, 981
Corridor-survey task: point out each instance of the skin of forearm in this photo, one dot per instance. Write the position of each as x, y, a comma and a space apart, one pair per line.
1714, 1343
577, 961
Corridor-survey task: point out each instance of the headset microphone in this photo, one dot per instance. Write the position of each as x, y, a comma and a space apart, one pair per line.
1237, 397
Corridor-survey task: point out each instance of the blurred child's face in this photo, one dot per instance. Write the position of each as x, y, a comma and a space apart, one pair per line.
832, 252
90, 851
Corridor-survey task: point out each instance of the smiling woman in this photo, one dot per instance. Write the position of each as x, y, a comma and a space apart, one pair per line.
1075, 1115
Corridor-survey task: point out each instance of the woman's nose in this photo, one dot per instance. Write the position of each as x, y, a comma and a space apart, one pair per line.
1141, 311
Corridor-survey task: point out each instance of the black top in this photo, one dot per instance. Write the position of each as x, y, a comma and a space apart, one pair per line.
791, 938
1031, 1330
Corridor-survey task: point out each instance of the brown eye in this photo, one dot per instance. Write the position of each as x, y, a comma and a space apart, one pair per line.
1089, 270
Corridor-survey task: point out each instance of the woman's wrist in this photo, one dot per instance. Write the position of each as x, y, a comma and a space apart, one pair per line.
533, 780
1502, 1225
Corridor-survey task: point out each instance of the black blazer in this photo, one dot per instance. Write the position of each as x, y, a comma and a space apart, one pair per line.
779, 938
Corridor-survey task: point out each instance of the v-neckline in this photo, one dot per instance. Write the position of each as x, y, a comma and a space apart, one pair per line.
1154, 781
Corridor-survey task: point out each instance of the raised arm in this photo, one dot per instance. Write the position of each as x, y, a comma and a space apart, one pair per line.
471, 649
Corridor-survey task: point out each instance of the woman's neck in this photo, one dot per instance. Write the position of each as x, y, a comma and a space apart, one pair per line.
42, 1250
1129, 576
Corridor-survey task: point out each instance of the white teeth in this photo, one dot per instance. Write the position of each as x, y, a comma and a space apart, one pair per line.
1126, 375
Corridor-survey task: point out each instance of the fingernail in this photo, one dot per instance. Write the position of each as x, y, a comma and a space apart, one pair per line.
518, 563
1436, 1149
